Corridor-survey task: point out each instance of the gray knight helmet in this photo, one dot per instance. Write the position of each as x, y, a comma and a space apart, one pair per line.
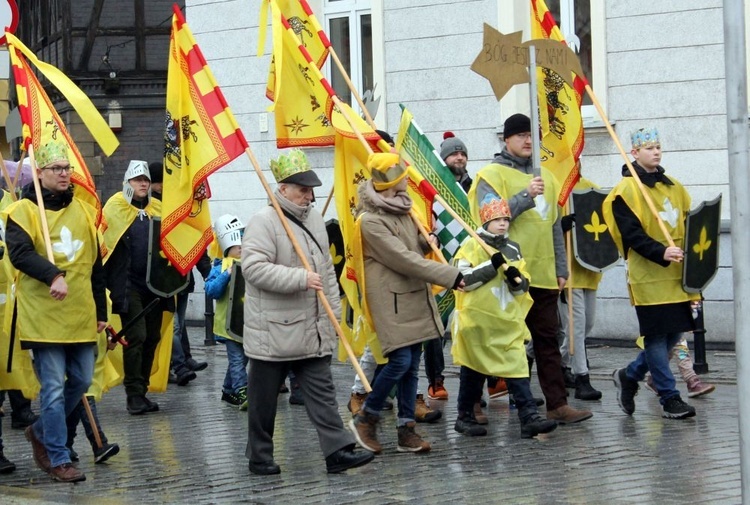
228, 229
135, 169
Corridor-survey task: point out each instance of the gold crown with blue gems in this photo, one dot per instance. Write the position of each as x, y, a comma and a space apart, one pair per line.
645, 137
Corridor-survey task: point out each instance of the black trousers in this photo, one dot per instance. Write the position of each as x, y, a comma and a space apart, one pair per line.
143, 338
314, 376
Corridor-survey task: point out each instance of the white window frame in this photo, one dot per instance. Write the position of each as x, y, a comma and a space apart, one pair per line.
353, 9
514, 15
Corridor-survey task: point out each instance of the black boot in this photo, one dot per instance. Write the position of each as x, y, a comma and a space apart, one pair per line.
570, 379
535, 425
584, 390
467, 425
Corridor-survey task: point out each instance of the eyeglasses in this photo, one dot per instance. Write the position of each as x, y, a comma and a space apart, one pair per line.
57, 170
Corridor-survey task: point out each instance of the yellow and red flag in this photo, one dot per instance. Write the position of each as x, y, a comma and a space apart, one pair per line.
303, 104
42, 124
201, 136
559, 110
303, 23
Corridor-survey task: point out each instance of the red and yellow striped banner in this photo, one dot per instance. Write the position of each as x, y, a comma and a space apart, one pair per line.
201, 136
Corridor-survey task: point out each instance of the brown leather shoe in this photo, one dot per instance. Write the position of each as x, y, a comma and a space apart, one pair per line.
67, 473
39, 451
568, 415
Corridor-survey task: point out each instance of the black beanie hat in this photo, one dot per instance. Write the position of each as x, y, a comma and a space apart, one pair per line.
385, 136
517, 123
157, 171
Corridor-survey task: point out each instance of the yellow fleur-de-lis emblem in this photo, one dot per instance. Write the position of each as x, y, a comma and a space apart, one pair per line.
335, 256
703, 244
596, 226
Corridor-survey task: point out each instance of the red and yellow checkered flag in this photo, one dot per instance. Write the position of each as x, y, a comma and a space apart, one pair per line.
201, 136
42, 124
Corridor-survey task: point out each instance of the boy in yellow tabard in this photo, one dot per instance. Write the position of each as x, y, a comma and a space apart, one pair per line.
654, 271
489, 328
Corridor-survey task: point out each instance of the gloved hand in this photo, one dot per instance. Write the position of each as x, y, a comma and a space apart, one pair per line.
497, 260
512, 273
567, 222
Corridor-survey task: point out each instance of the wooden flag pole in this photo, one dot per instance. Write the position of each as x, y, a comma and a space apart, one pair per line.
632, 171
306, 265
51, 258
368, 118
40, 204
473, 234
8, 181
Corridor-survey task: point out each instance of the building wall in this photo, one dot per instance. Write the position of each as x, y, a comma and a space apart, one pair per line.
665, 67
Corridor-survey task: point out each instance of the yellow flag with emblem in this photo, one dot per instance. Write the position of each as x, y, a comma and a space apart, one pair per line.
201, 136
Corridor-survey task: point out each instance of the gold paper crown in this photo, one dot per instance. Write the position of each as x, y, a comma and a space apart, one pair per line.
50, 153
287, 165
493, 207
645, 137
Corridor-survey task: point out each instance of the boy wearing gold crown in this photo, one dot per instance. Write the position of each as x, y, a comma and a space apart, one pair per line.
285, 326
490, 332
398, 298
654, 271
69, 294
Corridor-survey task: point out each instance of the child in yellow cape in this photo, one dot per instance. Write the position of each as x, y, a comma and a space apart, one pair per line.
489, 328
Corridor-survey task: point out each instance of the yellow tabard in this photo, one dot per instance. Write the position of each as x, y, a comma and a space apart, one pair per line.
73, 235
21, 376
533, 228
222, 305
649, 283
489, 328
119, 215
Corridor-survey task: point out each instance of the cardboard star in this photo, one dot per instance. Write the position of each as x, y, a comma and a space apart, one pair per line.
557, 56
503, 60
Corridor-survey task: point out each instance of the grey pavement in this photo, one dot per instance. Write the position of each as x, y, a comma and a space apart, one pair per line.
193, 451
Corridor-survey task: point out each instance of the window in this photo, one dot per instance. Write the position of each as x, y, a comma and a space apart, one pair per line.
349, 27
582, 23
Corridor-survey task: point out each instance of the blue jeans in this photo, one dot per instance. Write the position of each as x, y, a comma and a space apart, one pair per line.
64, 372
236, 376
521, 391
401, 371
178, 353
655, 359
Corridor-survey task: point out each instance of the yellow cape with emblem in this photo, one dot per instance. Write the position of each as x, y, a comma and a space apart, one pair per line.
21, 376
118, 216
489, 323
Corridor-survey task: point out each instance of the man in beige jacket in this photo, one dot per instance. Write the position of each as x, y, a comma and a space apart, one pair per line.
286, 327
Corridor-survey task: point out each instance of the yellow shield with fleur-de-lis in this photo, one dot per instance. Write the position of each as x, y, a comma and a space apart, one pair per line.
593, 246
702, 231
